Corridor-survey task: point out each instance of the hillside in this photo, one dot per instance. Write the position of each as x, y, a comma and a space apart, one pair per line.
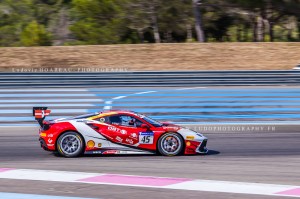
191, 56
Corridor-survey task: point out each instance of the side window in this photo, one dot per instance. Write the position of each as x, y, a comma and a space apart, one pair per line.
125, 120
115, 119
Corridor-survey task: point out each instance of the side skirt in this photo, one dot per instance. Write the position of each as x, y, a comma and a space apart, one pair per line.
119, 152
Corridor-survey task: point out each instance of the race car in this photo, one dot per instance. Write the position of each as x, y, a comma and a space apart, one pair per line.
115, 132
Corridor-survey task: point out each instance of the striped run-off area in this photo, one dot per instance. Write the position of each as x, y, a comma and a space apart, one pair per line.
186, 104
152, 182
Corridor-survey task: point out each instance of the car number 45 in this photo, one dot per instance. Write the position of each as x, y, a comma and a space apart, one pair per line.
146, 137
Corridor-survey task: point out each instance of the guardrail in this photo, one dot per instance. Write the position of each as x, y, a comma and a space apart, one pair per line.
153, 79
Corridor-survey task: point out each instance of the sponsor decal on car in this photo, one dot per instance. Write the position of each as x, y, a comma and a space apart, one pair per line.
188, 143
101, 115
90, 144
119, 139
146, 137
190, 137
97, 152
171, 128
43, 134
115, 129
50, 140
130, 141
111, 152
39, 114
133, 136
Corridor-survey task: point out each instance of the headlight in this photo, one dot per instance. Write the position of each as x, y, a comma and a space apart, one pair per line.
200, 135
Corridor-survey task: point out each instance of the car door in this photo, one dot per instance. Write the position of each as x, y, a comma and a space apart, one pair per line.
126, 129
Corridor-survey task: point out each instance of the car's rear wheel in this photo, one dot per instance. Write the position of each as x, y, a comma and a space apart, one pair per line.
70, 144
170, 144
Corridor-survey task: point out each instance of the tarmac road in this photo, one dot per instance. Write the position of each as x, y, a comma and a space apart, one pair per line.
267, 157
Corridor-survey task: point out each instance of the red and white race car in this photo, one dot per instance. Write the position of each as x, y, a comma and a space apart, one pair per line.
115, 132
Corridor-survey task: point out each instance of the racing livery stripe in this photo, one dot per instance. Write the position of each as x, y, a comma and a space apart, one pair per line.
153, 182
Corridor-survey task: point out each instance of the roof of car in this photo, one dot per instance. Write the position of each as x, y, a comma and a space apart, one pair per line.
110, 112
117, 111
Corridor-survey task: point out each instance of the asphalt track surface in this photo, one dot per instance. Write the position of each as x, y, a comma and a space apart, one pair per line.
268, 157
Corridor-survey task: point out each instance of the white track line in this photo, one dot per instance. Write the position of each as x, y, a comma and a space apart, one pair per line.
123, 96
119, 97
140, 93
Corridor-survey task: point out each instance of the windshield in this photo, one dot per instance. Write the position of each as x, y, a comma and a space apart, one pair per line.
151, 121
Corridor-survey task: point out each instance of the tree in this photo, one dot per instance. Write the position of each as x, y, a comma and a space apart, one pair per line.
176, 20
35, 34
17, 15
137, 18
134, 21
198, 22
97, 22
59, 27
265, 14
292, 8
143, 14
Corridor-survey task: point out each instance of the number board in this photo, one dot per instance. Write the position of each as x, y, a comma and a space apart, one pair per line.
146, 137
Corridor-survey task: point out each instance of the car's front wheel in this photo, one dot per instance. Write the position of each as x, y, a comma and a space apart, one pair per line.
170, 144
70, 144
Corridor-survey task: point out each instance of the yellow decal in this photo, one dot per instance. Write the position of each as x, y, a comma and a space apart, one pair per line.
43, 134
101, 115
99, 145
188, 144
190, 137
90, 144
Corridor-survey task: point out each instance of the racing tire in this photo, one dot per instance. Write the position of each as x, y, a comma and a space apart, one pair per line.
170, 144
70, 144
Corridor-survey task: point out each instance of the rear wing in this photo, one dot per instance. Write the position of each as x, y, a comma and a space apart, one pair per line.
40, 113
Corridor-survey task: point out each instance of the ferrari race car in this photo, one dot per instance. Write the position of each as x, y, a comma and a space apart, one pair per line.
115, 132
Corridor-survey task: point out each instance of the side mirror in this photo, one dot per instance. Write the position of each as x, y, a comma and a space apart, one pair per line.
145, 126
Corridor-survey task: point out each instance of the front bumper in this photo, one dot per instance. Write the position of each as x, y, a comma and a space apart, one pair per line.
202, 147
195, 146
